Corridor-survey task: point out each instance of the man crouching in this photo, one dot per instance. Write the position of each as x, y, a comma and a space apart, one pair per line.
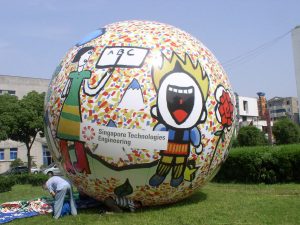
59, 188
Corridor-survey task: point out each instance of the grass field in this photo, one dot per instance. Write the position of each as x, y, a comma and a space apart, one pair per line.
218, 204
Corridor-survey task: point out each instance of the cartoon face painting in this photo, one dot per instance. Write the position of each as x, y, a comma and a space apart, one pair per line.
182, 92
84, 59
180, 99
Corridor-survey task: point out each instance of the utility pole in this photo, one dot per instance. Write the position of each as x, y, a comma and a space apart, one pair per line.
296, 50
267, 113
264, 114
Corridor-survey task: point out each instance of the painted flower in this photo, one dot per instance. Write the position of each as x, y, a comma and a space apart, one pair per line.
224, 113
226, 109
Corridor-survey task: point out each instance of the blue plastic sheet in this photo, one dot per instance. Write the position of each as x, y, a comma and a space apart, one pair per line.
7, 217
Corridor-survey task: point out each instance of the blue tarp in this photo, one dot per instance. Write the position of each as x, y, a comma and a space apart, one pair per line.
7, 217
23, 210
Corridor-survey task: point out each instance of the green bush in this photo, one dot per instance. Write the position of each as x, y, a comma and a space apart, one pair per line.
234, 142
21, 178
33, 179
265, 164
251, 136
6, 182
38, 179
16, 162
286, 131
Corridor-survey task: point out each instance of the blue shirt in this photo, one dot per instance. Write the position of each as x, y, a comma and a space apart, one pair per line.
56, 183
192, 136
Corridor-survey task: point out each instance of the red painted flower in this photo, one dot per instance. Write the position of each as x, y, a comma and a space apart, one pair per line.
226, 109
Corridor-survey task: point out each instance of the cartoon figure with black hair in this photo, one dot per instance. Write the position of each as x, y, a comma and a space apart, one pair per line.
70, 118
182, 90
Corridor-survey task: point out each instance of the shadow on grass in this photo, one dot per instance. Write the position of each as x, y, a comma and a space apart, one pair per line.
193, 199
89, 211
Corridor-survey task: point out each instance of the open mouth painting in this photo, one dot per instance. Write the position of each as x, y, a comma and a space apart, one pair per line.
180, 102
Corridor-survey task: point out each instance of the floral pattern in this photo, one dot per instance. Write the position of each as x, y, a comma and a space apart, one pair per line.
226, 109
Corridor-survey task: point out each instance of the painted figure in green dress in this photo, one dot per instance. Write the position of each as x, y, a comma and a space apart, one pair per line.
70, 118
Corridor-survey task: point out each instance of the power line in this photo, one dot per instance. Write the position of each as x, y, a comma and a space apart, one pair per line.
247, 56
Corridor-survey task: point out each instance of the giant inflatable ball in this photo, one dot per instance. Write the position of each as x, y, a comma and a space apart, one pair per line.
140, 110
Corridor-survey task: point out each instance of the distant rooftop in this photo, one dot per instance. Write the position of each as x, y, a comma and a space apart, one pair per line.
25, 77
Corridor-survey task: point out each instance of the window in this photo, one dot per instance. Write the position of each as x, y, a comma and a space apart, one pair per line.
287, 102
280, 110
47, 158
10, 92
13, 153
1, 154
245, 106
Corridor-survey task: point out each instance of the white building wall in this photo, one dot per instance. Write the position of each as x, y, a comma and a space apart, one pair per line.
23, 85
296, 50
262, 123
7, 145
248, 106
248, 113
36, 152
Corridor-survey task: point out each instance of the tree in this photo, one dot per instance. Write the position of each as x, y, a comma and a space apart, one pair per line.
251, 136
286, 131
8, 104
22, 119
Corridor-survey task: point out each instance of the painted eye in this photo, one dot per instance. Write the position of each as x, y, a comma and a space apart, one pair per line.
85, 60
90, 52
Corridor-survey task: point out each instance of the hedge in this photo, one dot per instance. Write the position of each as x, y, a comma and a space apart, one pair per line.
6, 182
265, 164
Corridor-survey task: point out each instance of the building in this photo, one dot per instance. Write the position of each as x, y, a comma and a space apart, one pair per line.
296, 50
10, 150
262, 113
284, 107
247, 110
252, 111
20, 86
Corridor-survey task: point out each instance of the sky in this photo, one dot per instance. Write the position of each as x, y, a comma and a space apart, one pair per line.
251, 38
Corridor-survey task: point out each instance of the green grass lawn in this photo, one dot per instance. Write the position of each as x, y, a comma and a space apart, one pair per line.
214, 204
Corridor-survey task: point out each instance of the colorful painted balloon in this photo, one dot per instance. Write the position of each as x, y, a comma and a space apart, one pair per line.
140, 110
